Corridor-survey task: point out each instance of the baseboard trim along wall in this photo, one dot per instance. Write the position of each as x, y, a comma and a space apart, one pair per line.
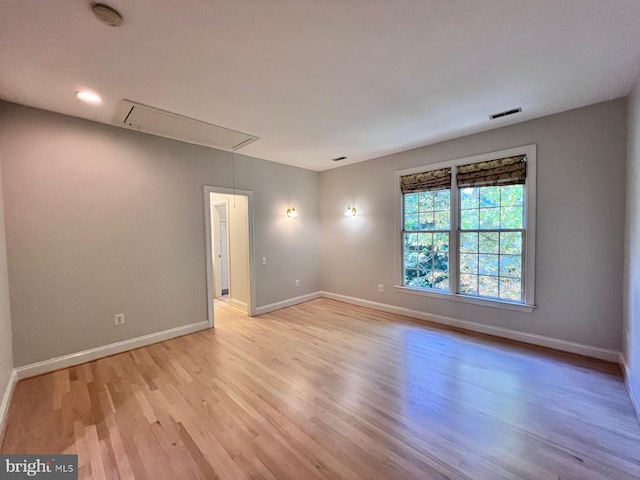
287, 303
632, 387
78, 358
238, 304
6, 400
533, 339
73, 359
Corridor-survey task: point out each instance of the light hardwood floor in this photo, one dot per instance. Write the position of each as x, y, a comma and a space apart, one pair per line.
329, 390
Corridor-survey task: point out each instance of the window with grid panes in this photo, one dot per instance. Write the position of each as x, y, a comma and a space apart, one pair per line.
491, 241
427, 226
464, 229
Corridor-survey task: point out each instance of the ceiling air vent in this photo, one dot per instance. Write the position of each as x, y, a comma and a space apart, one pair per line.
171, 125
505, 113
338, 159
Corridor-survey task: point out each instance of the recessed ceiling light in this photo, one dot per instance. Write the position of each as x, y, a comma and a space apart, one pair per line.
89, 97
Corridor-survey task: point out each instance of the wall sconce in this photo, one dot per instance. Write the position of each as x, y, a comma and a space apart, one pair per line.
291, 212
350, 212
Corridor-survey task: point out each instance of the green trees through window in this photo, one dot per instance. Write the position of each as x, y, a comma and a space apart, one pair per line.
468, 228
490, 241
427, 223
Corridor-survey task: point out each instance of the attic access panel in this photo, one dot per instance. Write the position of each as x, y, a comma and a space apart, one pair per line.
171, 125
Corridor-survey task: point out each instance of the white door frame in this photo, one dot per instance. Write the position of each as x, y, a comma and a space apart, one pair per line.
208, 189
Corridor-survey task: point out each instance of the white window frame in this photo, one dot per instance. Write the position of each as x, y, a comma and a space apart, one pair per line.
529, 254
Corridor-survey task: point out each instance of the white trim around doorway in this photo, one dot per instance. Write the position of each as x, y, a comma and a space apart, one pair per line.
208, 189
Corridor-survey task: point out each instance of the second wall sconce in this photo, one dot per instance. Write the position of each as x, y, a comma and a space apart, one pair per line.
291, 212
350, 211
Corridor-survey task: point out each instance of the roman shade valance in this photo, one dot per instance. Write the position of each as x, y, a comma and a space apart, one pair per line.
502, 171
426, 181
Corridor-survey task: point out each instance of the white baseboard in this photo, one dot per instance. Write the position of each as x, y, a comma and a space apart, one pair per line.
6, 399
65, 361
287, 303
533, 339
238, 304
632, 386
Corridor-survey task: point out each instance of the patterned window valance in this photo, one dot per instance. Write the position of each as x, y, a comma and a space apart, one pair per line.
503, 171
425, 181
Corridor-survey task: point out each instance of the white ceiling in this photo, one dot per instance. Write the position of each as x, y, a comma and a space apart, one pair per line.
318, 79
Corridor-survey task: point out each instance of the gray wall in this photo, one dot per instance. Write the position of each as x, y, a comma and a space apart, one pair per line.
580, 224
632, 245
102, 220
6, 355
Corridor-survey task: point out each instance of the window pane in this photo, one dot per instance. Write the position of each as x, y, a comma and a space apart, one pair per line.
512, 195
468, 263
441, 200
411, 222
426, 221
510, 289
489, 196
419, 282
510, 266
440, 261
468, 242
511, 242
429, 279
469, 198
410, 241
469, 284
489, 218
410, 276
410, 259
511, 217
424, 246
489, 242
488, 264
425, 261
442, 220
424, 240
411, 203
469, 219
440, 280
487, 286
441, 242
426, 201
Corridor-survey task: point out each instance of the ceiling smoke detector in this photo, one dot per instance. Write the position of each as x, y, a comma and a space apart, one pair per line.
107, 15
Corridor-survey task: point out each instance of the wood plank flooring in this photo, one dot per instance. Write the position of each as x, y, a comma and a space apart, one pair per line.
326, 390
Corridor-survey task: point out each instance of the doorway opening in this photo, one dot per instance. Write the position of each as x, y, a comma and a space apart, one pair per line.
220, 239
229, 242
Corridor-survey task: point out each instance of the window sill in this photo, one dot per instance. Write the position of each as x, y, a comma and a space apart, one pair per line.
516, 307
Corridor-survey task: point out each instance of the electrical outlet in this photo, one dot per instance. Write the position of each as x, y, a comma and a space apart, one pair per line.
119, 319
381, 288
297, 283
